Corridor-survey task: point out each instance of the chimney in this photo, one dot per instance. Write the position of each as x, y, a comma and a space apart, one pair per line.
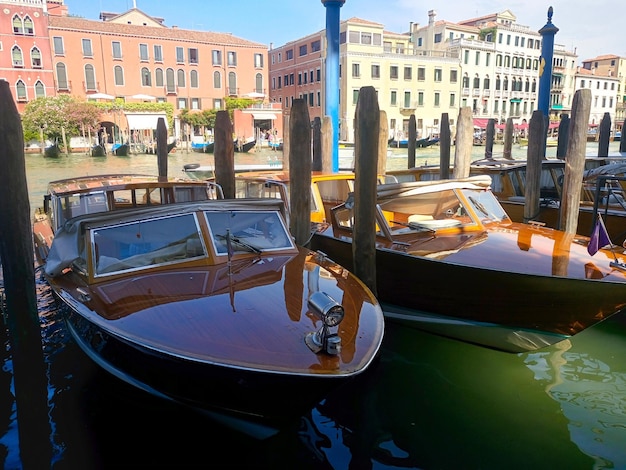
431, 17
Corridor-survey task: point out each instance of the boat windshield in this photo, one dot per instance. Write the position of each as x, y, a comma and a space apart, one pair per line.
485, 205
247, 231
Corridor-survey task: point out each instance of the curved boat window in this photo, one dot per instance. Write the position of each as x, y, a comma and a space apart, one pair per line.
144, 243
247, 231
486, 206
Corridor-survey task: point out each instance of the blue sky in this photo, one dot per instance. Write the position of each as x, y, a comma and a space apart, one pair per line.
592, 28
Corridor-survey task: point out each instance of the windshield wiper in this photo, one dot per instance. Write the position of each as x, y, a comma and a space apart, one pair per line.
240, 243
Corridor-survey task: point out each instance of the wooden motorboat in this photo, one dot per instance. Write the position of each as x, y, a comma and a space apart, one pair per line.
451, 261
509, 185
68, 198
209, 303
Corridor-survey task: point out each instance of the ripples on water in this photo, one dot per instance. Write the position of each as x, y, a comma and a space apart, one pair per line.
429, 403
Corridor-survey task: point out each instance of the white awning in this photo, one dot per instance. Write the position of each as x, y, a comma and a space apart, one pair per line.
264, 116
144, 120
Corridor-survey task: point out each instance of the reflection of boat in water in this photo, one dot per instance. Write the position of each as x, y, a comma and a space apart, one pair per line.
516, 286
166, 297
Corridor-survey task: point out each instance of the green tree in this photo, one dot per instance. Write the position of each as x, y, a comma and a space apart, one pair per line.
55, 115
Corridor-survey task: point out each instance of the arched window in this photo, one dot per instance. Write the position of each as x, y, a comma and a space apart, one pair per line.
158, 77
118, 73
35, 58
169, 78
527, 86
18, 25
534, 86
507, 61
193, 79
465, 81
40, 89
476, 82
180, 77
90, 78
486, 83
146, 77
20, 88
29, 27
259, 83
62, 77
498, 82
232, 83
18, 59
217, 80
499, 60
505, 86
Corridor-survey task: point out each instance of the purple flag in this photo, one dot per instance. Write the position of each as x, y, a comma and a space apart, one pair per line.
599, 237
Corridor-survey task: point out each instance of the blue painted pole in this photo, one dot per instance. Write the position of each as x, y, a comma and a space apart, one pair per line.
545, 67
331, 84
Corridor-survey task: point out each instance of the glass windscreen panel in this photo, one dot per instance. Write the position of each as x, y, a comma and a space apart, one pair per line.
144, 243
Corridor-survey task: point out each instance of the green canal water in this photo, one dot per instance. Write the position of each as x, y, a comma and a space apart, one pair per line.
428, 403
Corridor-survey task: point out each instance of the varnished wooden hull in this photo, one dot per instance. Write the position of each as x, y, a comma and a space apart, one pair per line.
551, 303
234, 344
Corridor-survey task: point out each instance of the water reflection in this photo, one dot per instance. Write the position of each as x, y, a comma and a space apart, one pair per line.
590, 387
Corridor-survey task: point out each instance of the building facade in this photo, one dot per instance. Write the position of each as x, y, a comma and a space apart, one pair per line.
614, 66
25, 57
406, 83
131, 57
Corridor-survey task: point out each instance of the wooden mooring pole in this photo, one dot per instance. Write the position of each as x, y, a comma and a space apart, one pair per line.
411, 142
464, 143
367, 127
17, 258
224, 154
161, 148
604, 135
534, 157
300, 171
444, 147
575, 161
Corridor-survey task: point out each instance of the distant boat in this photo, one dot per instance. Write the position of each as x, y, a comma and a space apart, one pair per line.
53, 151
202, 147
121, 150
98, 151
245, 147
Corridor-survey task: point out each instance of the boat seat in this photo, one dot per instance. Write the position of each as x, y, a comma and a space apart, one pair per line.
419, 217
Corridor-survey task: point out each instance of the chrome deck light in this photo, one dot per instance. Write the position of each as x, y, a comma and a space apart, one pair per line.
331, 313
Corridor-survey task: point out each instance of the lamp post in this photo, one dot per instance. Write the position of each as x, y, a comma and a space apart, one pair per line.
331, 83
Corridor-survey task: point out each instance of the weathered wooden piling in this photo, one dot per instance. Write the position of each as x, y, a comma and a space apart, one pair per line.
411, 142
534, 156
161, 148
575, 161
383, 139
16, 253
224, 154
317, 145
464, 143
327, 145
491, 134
367, 126
287, 143
444, 147
604, 136
622, 140
300, 171
508, 139
561, 149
